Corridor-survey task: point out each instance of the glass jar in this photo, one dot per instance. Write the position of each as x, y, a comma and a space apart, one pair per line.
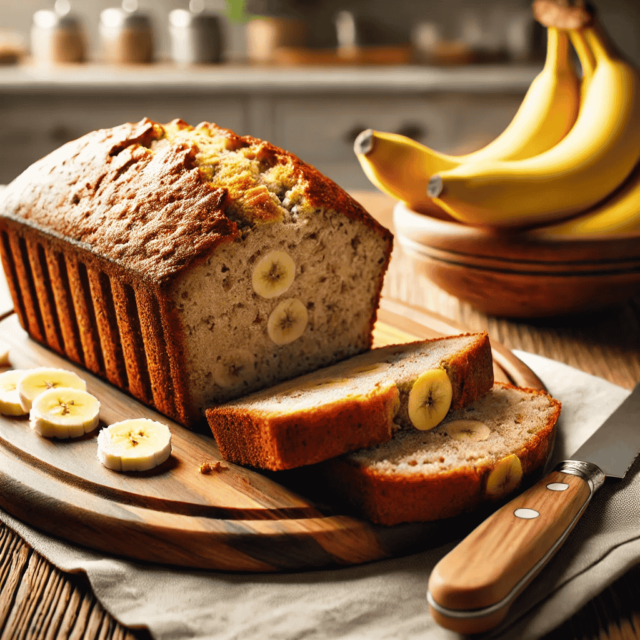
196, 37
56, 36
126, 35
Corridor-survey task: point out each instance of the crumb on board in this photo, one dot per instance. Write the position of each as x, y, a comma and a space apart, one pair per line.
212, 467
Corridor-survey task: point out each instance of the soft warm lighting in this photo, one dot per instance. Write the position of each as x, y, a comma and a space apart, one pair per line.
111, 17
180, 18
44, 19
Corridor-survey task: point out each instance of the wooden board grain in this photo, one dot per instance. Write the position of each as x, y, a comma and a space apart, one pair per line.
234, 519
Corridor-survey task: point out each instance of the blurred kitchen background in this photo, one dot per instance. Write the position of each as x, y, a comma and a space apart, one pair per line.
307, 75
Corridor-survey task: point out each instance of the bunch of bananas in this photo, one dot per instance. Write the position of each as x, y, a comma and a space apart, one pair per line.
569, 162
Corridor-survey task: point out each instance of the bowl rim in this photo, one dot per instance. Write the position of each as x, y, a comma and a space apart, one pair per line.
522, 247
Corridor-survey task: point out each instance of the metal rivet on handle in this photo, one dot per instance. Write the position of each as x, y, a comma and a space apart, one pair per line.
526, 514
557, 486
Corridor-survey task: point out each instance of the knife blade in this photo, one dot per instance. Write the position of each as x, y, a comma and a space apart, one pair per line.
472, 588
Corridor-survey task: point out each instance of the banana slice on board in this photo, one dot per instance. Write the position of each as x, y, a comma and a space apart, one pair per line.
64, 413
134, 445
9, 396
35, 381
287, 321
467, 430
505, 476
430, 399
273, 274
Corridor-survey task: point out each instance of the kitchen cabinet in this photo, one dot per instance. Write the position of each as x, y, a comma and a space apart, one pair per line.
315, 113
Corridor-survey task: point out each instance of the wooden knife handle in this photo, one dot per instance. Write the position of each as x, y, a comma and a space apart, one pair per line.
472, 588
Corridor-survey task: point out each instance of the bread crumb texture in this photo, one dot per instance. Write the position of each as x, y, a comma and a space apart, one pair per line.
207, 468
398, 364
514, 418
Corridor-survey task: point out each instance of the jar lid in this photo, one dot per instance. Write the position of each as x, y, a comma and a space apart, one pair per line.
119, 18
45, 19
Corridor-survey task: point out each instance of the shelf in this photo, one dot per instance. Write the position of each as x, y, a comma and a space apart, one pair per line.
251, 79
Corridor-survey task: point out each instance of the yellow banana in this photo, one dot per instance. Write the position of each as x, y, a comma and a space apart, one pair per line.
402, 167
399, 166
585, 167
585, 55
619, 215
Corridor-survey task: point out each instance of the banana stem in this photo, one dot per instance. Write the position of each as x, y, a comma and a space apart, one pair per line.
602, 48
585, 55
557, 50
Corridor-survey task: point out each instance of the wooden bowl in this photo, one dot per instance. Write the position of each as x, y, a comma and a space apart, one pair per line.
519, 274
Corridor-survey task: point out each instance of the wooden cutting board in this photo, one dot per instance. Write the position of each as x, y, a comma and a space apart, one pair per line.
233, 519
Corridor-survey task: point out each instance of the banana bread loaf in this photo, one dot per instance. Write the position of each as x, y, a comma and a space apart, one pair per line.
188, 265
353, 404
476, 455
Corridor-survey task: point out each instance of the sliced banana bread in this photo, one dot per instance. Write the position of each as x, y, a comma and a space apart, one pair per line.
475, 455
353, 404
190, 265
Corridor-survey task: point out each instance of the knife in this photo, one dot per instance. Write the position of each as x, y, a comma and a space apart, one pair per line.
471, 588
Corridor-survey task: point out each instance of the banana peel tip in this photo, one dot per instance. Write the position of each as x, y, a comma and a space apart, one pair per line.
364, 143
435, 186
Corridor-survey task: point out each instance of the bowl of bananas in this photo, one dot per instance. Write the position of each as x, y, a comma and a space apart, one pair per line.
532, 274
544, 220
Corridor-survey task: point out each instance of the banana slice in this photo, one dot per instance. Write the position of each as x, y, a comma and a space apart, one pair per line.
467, 430
35, 381
9, 396
287, 321
134, 445
64, 413
234, 368
505, 477
273, 274
430, 399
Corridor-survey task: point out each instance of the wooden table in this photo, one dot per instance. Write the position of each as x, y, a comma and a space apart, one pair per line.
38, 601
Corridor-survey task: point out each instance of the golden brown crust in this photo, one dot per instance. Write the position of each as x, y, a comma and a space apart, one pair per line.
321, 192
149, 212
391, 499
286, 441
471, 372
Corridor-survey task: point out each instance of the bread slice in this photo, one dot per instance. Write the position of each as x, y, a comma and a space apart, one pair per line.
454, 468
346, 406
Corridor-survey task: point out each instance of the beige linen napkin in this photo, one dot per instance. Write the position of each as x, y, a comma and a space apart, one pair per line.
386, 599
